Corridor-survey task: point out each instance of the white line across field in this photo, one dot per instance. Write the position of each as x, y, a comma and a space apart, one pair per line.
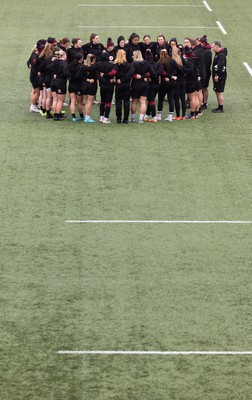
158, 353
248, 68
221, 27
86, 221
139, 5
207, 6
147, 26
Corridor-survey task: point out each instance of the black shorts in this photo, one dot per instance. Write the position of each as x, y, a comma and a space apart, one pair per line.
192, 85
219, 87
205, 82
75, 87
139, 89
89, 89
34, 81
59, 86
41, 81
48, 81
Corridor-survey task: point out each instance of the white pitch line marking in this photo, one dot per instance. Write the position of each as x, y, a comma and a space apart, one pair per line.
221, 27
207, 6
83, 221
147, 26
159, 353
248, 68
138, 5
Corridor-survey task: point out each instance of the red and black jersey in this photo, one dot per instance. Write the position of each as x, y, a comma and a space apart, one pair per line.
107, 68
142, 68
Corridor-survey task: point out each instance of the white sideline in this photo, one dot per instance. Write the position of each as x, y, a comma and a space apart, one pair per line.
153, 222
248, 68
207, 6
147, 26
159, 353
221, 27
139, 5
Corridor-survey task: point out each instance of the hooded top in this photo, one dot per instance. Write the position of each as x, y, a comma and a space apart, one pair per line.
219, 67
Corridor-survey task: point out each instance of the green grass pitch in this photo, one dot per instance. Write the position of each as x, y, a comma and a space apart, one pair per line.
124, 287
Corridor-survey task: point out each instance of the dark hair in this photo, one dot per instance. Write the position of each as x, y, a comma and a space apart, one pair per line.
120, 38
133, 36
75, 41
174, 40
92, 36
149, 55
64, 40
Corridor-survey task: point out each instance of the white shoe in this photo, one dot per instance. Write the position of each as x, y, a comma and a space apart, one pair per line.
159, 117
169, 118
33, 108
154, 119
65, 104
101, 118
96, 102
106, 121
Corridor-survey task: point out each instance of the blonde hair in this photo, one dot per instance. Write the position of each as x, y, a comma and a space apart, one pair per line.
59, 54
176, 56
47, 50
120, 57
137, 56
90, 58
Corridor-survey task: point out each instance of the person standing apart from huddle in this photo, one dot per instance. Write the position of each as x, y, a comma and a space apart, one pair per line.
219, 74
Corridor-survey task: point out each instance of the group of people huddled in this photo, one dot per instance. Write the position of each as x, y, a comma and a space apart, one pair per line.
136, 72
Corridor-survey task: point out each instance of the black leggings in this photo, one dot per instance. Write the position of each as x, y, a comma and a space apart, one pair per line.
152, 93
106, 99
180, 96
122, 100
163, 91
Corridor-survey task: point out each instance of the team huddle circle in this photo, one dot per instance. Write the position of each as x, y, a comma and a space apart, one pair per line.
136, 73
